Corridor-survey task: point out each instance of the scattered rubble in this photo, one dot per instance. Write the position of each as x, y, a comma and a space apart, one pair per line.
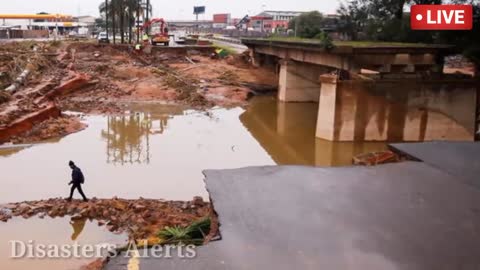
51, 128
376, 158
95, 265
141, 218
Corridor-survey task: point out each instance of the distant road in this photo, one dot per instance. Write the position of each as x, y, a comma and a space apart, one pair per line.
239, 48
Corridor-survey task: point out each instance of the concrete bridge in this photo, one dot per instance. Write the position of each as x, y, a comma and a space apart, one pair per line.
374, 91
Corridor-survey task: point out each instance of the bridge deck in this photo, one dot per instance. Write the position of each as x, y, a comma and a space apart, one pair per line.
351, 47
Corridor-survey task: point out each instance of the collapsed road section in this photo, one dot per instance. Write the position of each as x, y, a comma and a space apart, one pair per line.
337, 218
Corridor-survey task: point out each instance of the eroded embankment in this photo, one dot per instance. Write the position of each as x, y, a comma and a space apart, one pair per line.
94, 78
141, 219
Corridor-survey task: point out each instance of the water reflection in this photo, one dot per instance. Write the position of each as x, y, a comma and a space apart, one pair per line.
287, 132
161, 152
47, 232
128, 138
78, 225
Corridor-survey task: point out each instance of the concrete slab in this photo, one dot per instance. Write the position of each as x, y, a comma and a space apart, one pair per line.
397, 216
460, 159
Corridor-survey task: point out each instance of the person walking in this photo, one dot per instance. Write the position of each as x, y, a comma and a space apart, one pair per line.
77, 180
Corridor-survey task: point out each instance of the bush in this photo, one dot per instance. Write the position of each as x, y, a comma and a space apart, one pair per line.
325, 41
194, 234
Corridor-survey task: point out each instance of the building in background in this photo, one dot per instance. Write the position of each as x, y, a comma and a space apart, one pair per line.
222, 20
284, 16
261, 22
88, 22
272, 21
42, 24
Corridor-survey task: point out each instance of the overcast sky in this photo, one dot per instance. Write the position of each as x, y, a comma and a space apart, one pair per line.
181, 9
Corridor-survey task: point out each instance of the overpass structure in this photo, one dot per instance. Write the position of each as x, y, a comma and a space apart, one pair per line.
374, 91
35, 16
186, 23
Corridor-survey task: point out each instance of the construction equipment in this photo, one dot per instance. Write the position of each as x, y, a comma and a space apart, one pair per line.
158, 31
244, 21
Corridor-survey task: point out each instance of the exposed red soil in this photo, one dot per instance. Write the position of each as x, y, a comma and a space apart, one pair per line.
93, 78
52, 127
140, 219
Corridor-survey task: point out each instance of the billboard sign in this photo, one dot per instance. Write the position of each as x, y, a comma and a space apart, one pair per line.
199, 10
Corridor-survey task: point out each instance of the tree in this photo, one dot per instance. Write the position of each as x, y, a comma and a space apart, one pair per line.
121, 16
354, 15
100, 23
385, 20
307, 25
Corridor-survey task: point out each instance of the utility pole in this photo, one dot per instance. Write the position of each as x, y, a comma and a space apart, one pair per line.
148, 17
296, 25
106, 17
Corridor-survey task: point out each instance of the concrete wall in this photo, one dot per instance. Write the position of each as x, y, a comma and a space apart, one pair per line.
17, 33
397, 110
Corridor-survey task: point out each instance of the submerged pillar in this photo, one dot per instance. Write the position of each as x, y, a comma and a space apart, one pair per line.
299, 82
396, 109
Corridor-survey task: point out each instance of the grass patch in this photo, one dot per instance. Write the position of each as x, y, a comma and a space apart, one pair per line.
194, 234
359, 44
228, 49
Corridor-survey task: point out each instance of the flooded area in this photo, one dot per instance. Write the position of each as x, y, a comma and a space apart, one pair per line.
51, 232
160, 151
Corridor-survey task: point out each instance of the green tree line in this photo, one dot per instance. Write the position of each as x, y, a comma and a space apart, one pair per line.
389, 21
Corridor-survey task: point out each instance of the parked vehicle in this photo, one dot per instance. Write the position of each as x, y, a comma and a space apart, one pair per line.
158, 31
102, 38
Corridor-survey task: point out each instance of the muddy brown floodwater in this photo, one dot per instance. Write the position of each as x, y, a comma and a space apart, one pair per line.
160, 151
51, 232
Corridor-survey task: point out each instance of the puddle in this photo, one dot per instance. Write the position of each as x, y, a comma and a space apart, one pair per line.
158, 153
51, 232
161, 152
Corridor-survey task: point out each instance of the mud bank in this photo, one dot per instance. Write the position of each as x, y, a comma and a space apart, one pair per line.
101, 79
48, 129
140, 219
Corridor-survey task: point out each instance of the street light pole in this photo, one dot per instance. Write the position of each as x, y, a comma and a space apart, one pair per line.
148, 17
296, 25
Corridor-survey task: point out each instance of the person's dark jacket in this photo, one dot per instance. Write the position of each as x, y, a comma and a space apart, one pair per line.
77, 176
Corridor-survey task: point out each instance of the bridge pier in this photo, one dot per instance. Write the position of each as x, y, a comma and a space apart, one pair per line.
298, 82
396, 109
382, 92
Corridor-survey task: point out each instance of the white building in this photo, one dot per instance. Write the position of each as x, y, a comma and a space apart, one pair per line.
88, 20
281, 15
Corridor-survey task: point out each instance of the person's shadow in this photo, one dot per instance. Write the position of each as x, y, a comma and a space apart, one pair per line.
78, 226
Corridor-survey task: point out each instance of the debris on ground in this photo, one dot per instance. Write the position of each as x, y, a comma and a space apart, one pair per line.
98, 264
140, 219
51, 128
376, 158
93, 78
4, 97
